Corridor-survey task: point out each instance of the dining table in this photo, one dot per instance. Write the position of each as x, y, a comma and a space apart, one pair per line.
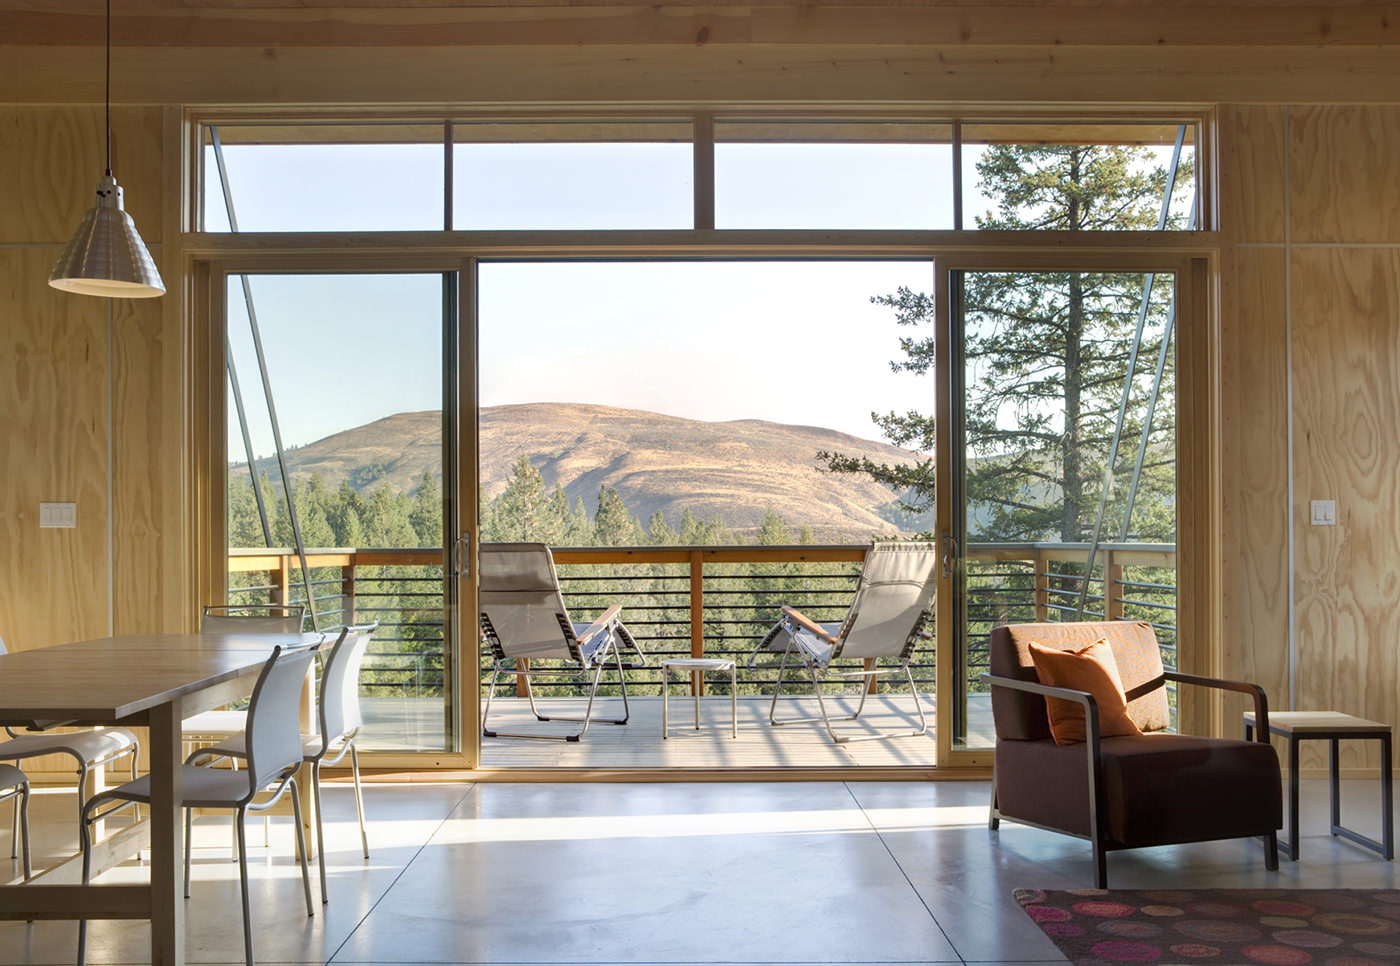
151, 681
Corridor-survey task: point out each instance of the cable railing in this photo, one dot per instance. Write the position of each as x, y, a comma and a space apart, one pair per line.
705, 601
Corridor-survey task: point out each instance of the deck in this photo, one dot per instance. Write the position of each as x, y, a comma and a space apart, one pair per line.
639, 744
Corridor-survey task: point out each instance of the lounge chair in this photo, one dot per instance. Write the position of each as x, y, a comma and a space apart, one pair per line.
889, 616
527, 627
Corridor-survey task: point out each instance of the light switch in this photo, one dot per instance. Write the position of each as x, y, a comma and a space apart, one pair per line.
58, 514
1324, 513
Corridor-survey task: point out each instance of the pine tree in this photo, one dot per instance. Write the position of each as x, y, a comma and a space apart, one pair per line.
1045, 353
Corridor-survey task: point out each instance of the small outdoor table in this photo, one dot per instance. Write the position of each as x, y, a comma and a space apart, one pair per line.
697, 666
1298, 726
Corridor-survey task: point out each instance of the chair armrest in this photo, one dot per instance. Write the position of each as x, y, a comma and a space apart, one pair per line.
1091, 706
797, 617
599, 625
1261, 700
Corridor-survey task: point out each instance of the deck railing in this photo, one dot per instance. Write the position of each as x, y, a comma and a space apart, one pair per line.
706, 601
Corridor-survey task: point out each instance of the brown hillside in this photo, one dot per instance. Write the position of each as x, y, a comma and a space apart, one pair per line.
732, 471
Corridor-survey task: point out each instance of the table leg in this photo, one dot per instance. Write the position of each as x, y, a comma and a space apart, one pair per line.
665, 690
1334, 781
1387, 800
695, 695
167, 838
1293, 797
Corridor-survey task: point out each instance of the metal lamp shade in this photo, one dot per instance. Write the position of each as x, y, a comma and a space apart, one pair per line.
106, 255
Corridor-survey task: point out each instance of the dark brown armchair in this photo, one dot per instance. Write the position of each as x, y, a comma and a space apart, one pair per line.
1129, 791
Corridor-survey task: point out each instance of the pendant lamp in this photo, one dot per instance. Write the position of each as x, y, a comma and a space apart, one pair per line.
106, 255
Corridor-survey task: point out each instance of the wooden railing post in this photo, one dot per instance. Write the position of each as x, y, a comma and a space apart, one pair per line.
1112, 587
1040, 566
347, 593
282, 581
697, 615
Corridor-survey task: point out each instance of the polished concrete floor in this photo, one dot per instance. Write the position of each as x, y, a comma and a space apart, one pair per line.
722, 873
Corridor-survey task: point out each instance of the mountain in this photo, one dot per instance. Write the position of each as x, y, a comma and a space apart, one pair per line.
732, 471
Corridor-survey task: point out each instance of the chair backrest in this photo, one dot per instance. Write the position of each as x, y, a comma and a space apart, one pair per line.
253, 618
340, 684
892, 602
522, 609
1021, 716
274, 713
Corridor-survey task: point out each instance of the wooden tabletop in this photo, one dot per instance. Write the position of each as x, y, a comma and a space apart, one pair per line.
1304, 722
113, 679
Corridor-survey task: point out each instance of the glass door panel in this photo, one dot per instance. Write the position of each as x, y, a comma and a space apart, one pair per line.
335, 489
1064, 421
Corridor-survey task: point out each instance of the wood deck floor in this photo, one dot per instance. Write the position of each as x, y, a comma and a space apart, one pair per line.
759, 744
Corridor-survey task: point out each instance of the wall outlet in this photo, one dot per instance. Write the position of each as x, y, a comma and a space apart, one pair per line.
1324, 513
58, 515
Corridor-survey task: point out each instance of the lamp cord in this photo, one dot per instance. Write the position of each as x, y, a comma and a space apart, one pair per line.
107, 95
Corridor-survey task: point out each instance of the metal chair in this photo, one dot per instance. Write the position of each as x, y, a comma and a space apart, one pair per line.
887, 618
524, 620
338, 712
90, 747
274, 757
14, 786
220, 723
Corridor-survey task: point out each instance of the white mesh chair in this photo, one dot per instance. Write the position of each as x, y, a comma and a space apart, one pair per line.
338, 714
14, 786
274, 757
888, 617
237, 618
526, 626
89, 748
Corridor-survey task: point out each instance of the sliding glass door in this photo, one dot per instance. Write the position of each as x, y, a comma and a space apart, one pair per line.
1062, 493
339, 419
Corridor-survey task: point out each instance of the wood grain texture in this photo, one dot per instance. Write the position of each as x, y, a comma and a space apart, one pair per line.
53, 583
1346, 391
1254, 476
345, 24
51, 160
1342, 184
1251, 149
706, 75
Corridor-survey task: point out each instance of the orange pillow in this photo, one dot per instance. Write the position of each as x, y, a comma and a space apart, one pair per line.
1090, 669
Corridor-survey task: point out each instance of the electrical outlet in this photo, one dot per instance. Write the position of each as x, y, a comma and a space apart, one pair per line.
1324, 513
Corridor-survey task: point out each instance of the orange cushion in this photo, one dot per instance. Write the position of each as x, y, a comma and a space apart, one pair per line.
1090, 669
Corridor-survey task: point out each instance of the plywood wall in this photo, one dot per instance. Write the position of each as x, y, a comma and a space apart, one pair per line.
1311, 297
55, 367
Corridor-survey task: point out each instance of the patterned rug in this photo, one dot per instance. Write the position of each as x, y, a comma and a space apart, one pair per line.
1221, 927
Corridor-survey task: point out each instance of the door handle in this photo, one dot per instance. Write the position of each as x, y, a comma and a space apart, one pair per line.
950, 553
462, 556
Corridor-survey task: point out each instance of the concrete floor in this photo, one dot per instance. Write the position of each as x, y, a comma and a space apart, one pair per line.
722, 873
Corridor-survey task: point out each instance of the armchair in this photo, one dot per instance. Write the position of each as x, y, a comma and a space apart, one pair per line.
1128, 790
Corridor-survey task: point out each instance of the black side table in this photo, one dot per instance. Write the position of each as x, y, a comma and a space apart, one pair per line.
1298, 726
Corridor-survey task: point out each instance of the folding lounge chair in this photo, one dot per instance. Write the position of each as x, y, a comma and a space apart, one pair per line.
890, 614
524, 621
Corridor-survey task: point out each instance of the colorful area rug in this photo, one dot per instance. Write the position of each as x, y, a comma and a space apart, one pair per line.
1221, 927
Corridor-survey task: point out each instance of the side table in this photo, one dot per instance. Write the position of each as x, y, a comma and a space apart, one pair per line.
697, 666
1299, 726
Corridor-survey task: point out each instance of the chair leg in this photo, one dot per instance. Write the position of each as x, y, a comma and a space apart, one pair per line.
22, 811
241, 834
993, 816
486, 710
301, 849
320, 830
359, 796
1271, 851
1100, 865
85, 845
